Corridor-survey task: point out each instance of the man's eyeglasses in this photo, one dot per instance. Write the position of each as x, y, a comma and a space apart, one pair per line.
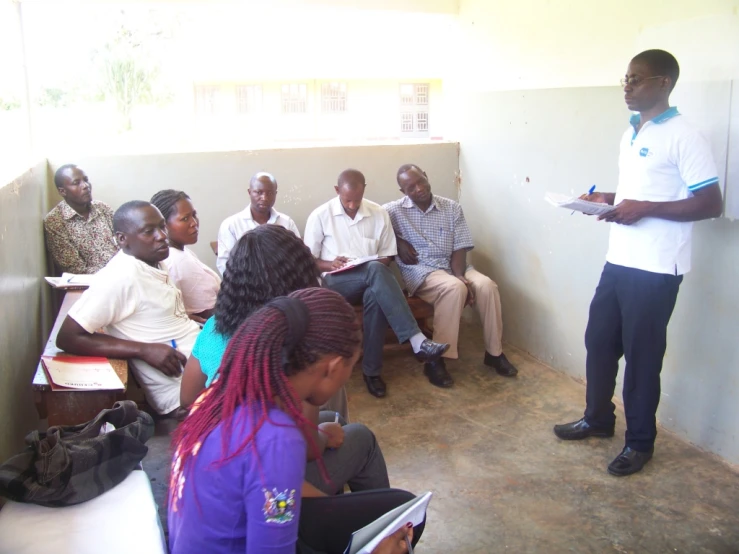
636, 80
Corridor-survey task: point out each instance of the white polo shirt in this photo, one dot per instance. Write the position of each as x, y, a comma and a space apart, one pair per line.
330, 233
236, 226
134, 301
667, 160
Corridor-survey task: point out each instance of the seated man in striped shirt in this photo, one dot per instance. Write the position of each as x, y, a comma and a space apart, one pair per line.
433, 240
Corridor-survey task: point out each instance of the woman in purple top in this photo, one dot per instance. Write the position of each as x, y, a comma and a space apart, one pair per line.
239, 458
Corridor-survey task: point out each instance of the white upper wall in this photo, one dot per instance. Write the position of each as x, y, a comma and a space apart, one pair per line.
568, 43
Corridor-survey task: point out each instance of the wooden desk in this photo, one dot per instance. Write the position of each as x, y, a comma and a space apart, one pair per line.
72, 407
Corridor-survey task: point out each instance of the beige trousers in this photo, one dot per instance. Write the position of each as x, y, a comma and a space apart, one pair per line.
448, 294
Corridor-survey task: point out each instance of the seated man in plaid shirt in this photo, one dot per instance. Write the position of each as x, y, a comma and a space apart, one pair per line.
433, 240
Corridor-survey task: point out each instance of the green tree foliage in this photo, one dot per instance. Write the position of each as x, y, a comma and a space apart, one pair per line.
129, 64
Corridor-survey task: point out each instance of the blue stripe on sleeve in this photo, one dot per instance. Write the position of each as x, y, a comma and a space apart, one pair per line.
703, 184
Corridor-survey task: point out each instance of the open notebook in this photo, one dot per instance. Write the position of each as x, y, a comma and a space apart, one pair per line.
368, 537
80, 373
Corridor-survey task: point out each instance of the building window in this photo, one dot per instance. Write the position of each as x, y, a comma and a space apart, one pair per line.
422, 122
414, 109
294, 98
248, 99
206, 99
333, 97
406, 122
416, 94
406, 95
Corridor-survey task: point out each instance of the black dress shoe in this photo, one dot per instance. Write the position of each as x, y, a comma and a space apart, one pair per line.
629, 461
580, 429
375, 385
501, 365
431, 351
437, 374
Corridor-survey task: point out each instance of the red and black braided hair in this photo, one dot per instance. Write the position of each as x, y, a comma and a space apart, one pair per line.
255, 369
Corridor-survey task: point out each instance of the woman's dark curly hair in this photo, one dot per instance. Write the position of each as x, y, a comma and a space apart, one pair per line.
267, 262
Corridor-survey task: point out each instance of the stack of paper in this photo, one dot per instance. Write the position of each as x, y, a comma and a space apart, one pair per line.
574, 203
81, 373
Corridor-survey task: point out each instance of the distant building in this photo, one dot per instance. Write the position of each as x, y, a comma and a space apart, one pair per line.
321, 110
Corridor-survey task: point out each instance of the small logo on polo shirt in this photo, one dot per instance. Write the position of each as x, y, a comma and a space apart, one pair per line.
644, 152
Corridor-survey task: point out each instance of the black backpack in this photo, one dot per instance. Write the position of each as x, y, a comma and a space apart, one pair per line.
70, 464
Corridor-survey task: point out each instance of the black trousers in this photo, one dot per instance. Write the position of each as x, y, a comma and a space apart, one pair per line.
327, 522
628, 317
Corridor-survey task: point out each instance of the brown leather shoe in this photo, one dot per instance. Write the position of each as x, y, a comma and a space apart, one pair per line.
437, 374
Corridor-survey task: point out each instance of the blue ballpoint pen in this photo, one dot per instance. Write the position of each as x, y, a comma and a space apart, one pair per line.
591, 191
173, 343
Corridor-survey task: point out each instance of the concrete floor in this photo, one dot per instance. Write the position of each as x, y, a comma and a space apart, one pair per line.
501, 480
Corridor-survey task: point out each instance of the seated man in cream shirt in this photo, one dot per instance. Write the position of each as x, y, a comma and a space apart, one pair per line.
263, 194
350, 227
134, 300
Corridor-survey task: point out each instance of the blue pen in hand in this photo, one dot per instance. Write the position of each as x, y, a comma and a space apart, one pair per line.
590, 191
173, 343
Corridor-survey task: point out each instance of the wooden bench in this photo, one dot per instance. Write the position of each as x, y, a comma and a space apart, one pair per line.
72, 407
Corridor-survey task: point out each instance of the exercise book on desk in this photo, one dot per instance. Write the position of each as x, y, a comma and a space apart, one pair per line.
354, 263
71, 281
368, 537
578, 204
80, 373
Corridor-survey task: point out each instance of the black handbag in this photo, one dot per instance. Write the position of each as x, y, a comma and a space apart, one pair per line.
70, 464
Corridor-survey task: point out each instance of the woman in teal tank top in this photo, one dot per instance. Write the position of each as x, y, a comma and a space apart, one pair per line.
267, 262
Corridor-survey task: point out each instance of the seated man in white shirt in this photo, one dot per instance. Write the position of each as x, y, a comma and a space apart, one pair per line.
349, 227
263, 194
134, 300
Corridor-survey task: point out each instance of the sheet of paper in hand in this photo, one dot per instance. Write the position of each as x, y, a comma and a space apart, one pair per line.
368, 537
81, 373
354, 262
574, 203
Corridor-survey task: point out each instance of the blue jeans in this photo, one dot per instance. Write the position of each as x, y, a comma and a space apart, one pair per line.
374, 286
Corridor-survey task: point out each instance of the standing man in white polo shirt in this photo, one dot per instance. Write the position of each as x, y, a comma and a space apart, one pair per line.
351, 227
667, 180
263, 194
141, 310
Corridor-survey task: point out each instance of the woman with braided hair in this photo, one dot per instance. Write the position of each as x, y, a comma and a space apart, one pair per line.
198, 283
239, 456
268, 262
